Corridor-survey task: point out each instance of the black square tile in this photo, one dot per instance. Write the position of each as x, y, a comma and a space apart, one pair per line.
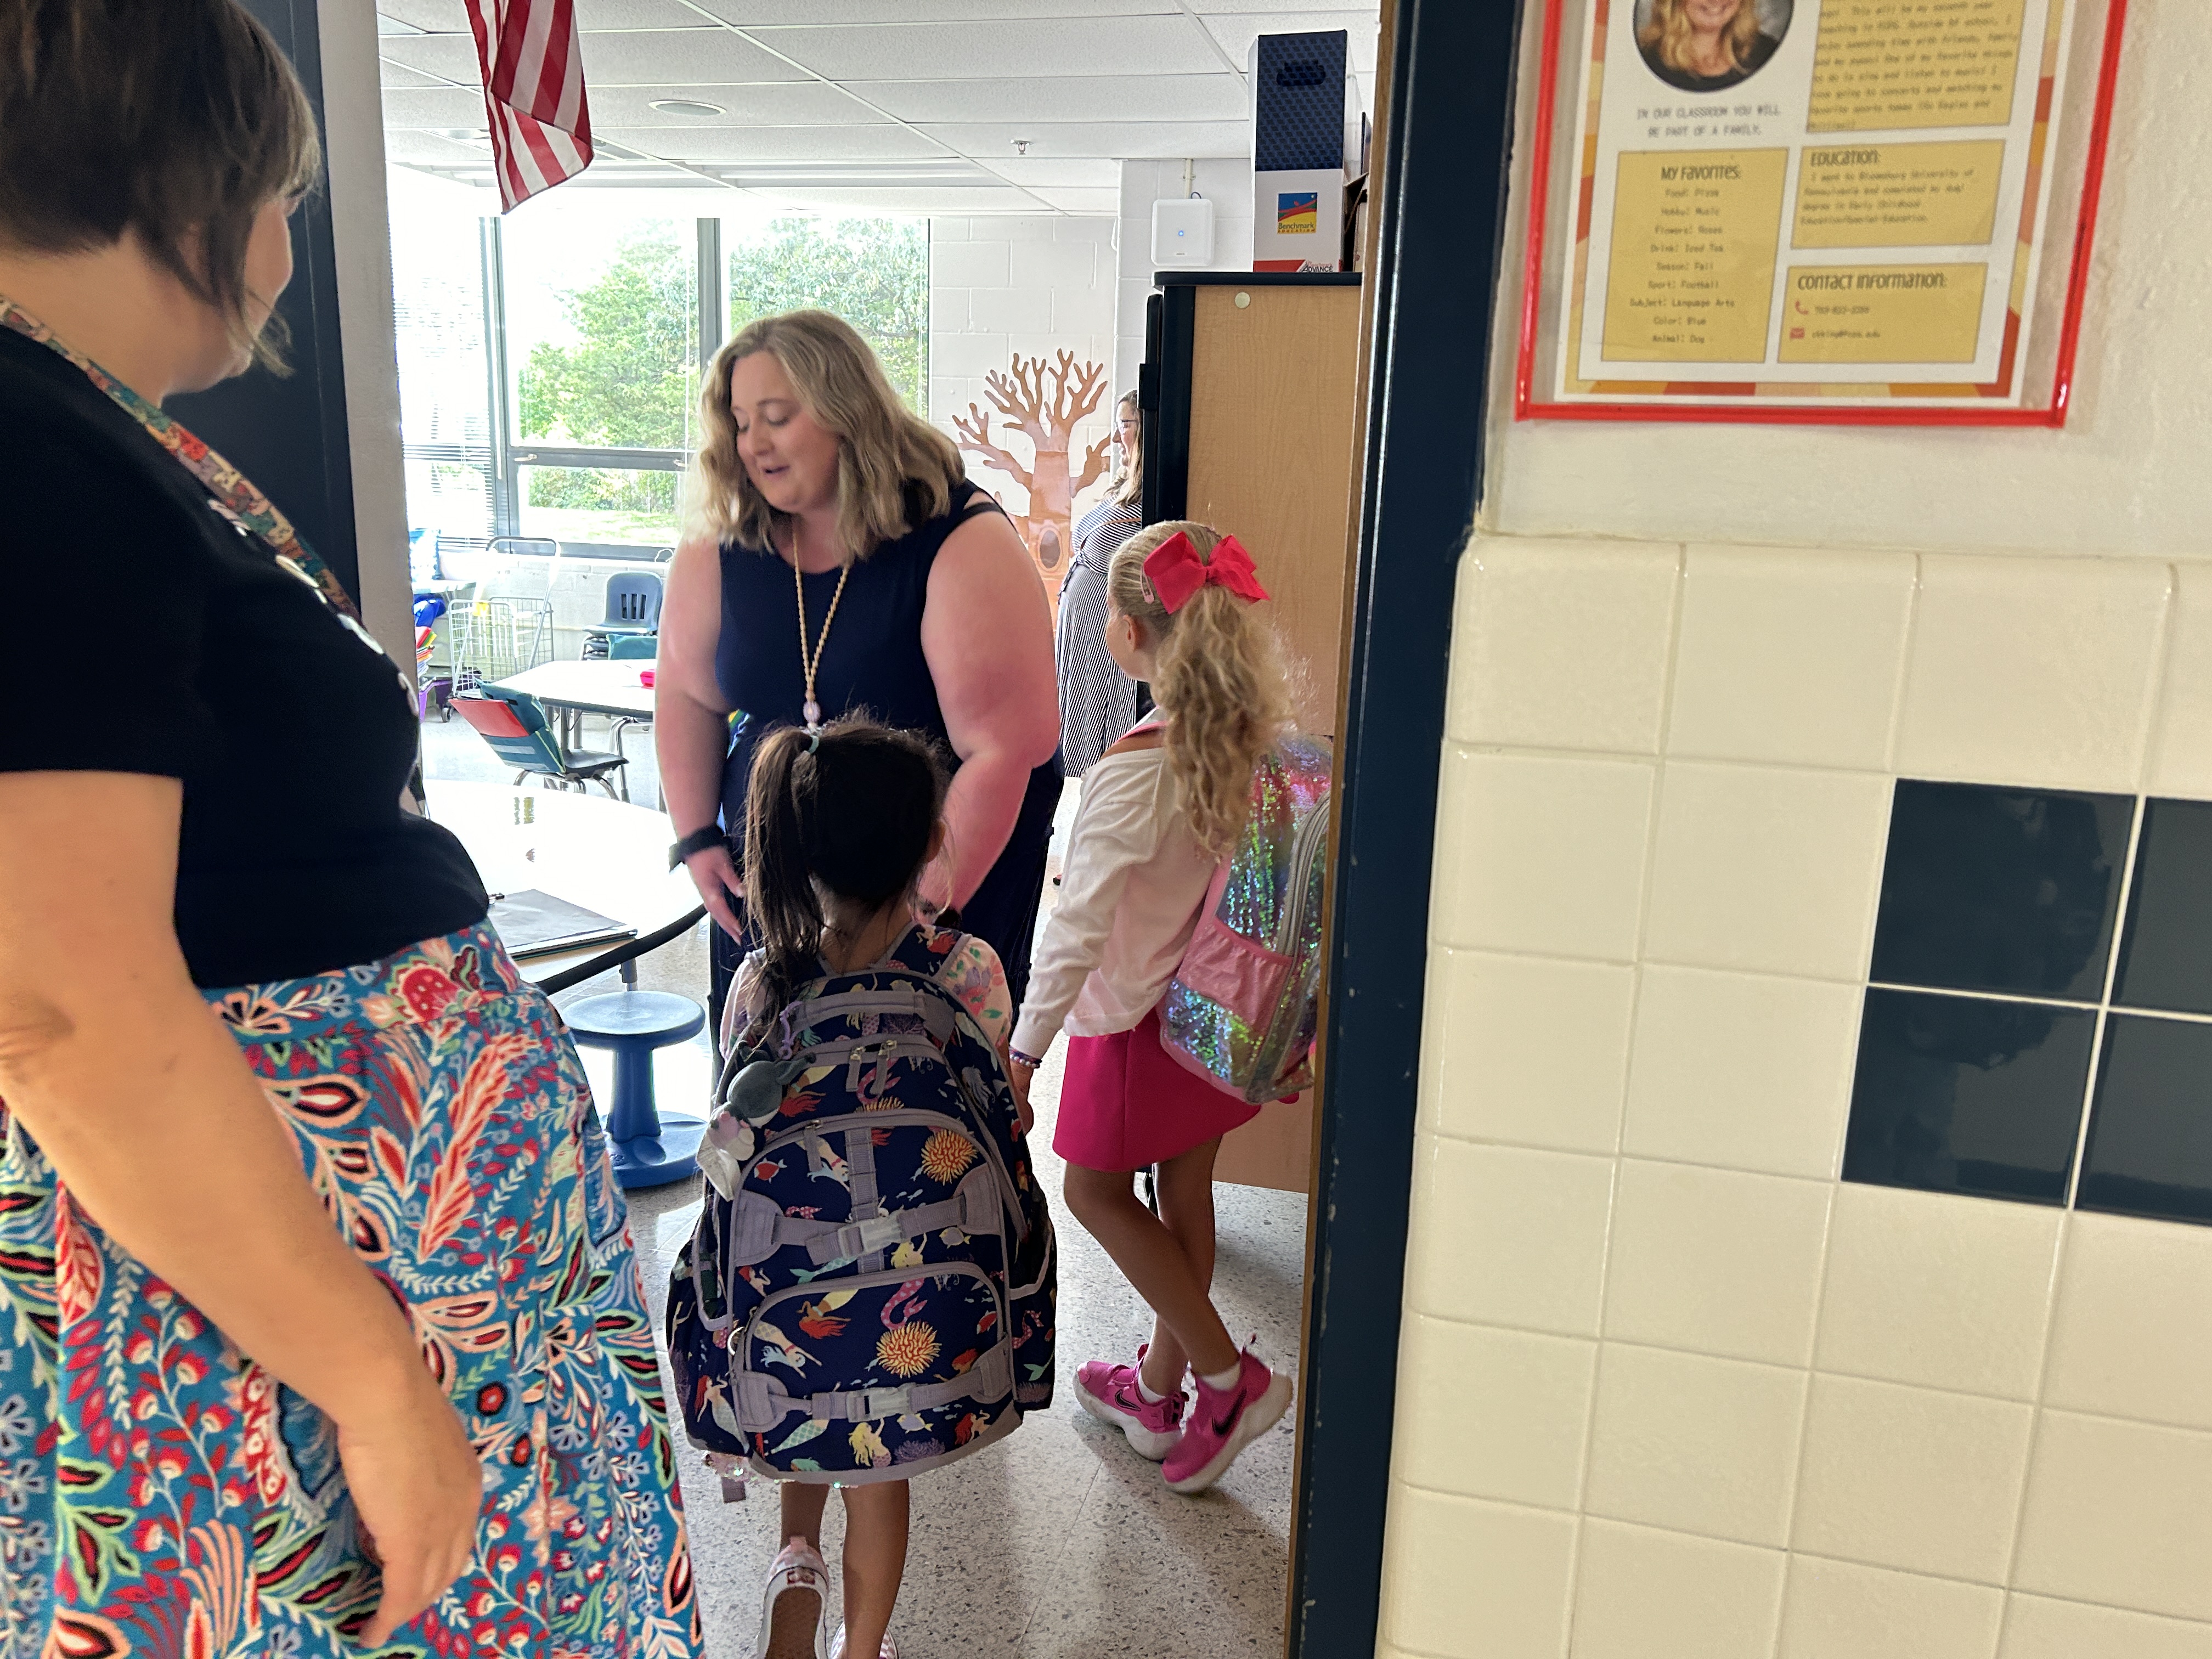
2150, 1133
2001, 890
2166, 955
1968, 1095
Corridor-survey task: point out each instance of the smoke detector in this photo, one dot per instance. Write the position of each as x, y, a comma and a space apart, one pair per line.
687, 106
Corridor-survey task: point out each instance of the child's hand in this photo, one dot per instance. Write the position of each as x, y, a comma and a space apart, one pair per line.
1021, 1074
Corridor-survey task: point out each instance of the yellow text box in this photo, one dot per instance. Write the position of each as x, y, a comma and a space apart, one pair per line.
1886, 64
1898, 195
1695, 234
1882, 313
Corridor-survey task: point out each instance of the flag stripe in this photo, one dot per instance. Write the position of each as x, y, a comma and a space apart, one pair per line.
538, 111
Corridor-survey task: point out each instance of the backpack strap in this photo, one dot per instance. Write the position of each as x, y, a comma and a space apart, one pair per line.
766, 1228
758, 1401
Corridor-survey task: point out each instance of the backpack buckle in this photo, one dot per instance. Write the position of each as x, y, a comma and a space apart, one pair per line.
878, 1232
877, 1403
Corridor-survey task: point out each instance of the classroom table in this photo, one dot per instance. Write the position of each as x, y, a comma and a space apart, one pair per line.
570, 690
605, 855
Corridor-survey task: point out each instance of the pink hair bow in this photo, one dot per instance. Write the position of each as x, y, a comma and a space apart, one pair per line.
1177, 571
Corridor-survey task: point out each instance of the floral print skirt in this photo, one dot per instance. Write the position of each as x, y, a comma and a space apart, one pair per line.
161, 1494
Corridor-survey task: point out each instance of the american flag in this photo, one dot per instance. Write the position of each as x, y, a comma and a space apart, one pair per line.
533, 77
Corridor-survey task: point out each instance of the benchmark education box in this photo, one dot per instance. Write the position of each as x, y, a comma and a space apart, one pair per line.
1845, 210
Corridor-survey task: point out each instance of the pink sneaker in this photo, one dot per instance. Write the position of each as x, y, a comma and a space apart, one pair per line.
1109, 1392
1224, 1422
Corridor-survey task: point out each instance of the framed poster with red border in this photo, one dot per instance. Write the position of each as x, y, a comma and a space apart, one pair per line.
1845, 212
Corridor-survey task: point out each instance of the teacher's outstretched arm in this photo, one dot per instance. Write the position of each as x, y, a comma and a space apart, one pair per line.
691, 720
986, 632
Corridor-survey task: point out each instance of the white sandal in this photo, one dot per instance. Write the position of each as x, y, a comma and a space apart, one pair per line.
798, 1578
837, 1645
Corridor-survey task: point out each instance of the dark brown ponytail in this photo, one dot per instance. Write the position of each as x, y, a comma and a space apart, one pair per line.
851, 816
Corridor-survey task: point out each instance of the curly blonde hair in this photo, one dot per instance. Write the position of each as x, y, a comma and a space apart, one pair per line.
894, 468
1220, 680
1668, 33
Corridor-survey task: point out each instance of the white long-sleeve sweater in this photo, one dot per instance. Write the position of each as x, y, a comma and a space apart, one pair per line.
1132, 886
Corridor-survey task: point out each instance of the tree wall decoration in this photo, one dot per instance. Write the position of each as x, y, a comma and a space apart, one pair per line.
1045, 402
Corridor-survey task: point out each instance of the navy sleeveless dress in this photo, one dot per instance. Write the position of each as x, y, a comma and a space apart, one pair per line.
872, 664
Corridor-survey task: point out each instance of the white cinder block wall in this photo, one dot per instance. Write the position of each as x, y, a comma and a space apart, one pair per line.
1227, 183
1002, 287
1669, 1389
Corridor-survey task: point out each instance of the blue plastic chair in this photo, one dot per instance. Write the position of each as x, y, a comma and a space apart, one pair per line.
632, 608
514, 723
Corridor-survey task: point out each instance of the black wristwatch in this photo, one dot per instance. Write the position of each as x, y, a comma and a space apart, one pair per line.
695, 843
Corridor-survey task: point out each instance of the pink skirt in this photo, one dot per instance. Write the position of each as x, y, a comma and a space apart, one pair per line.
1126, 1103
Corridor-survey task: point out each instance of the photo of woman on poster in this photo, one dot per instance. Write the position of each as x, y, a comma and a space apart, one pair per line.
1709, 46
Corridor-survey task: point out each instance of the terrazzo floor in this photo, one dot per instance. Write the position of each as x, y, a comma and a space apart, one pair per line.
1058, 1542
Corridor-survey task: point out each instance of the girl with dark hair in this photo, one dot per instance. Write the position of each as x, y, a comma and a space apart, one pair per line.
323, 1329
840, 825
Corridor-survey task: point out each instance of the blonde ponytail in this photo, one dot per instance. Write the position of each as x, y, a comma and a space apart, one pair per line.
1220, 679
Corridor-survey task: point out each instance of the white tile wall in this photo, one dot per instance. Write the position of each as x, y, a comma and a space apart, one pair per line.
1001, 285
1838, 1610
1668, 1385
1643, 1594
1227, 183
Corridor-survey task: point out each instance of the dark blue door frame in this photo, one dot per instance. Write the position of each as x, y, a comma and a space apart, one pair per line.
289, 433
1432, 291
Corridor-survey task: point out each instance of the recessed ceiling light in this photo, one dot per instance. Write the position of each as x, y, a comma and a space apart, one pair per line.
687, 106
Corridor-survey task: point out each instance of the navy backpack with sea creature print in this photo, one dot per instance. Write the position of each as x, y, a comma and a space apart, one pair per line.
869, 1293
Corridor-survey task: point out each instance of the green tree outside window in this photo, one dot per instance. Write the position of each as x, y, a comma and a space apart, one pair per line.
631, 378
874, 273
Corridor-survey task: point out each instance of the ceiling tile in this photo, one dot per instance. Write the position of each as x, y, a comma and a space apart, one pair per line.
1163, 140
452, 16
1281, 7
1236, 31
710, 144
917, 200
635, 15
392, 26
768, 13
1014, 48
1086, 98
1101, 202
398, 74
436, 109
438, 16
786, 104
640, 57
1090, 173
428, 146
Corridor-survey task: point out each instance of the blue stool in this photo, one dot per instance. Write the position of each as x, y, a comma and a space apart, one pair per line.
650, 1149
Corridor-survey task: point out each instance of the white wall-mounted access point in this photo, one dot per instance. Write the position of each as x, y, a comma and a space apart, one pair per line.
1182, 233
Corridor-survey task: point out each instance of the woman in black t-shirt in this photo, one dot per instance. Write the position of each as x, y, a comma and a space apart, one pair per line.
321, 1321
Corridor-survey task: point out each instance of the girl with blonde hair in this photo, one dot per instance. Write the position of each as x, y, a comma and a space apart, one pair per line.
1160, 811
821, 507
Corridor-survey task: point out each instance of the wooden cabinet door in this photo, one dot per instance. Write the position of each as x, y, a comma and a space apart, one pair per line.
1273, 417
1273, 386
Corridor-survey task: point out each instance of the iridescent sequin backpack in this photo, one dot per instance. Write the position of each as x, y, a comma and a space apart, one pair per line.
1241, 1009
869, 1293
